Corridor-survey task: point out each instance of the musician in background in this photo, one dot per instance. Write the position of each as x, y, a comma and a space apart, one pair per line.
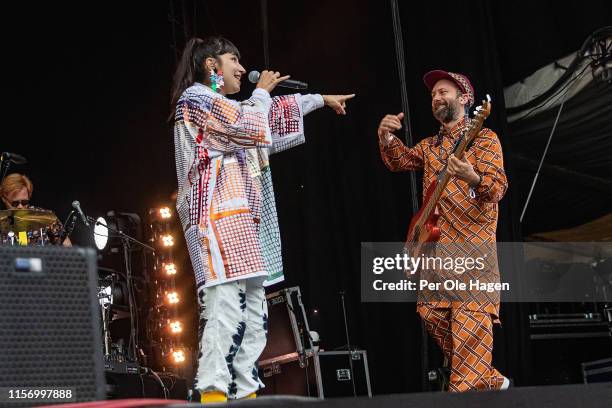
468, 214
16, 190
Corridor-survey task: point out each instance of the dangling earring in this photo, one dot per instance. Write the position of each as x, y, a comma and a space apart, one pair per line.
216, 79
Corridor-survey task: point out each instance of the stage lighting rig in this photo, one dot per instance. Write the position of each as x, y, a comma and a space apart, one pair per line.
169, 269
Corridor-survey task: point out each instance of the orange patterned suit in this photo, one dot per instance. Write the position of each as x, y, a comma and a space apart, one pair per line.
463, 330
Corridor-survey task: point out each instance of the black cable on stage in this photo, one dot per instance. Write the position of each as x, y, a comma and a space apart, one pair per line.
401, 68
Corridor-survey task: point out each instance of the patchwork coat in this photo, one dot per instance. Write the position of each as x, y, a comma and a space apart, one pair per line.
225, 195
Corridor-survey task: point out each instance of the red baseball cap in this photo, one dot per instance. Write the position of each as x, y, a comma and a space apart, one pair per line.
460, 80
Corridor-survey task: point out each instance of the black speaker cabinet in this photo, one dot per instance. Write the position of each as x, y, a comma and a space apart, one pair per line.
50, 334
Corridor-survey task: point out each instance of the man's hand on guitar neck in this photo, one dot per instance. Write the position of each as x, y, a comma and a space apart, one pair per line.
463, 170
388, 125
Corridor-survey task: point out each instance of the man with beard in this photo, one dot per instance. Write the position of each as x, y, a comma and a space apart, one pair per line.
468, 214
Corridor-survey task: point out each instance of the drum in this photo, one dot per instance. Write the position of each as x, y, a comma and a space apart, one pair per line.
39, 237
112, 292
29, 227
112, 296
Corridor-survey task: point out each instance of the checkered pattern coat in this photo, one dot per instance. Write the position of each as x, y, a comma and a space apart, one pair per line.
466, 215
225, 195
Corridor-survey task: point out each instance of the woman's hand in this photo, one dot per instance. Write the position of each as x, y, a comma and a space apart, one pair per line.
269, 79
337, 102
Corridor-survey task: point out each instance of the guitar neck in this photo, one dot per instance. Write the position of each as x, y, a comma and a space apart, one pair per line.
445, 177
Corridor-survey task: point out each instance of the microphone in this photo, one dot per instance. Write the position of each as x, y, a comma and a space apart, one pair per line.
287, 83
77, 206
14, 157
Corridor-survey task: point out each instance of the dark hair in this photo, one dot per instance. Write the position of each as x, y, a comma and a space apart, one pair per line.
191, 67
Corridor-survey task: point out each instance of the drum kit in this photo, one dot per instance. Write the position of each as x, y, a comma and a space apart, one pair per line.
29, 227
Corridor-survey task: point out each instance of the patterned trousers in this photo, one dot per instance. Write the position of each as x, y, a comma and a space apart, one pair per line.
232, 332
466, 339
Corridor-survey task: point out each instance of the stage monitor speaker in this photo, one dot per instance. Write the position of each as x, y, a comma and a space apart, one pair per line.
50, 334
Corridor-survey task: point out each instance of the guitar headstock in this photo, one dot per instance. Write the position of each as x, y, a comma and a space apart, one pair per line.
483, 111
480, 114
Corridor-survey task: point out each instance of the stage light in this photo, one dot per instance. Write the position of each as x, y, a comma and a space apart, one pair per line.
170, 269
165, 213
160, 216
176, 327
167, 240
178, 356
101, 233
172, 297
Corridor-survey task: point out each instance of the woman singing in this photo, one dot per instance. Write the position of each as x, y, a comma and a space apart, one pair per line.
226, 204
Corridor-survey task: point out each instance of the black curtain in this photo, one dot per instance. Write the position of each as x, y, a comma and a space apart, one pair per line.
334, 192
89, 92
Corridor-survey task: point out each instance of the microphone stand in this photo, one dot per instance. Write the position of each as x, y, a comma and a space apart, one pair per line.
348, 343
126, 243
67, 227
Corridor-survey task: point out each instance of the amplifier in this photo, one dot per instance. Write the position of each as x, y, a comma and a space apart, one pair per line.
568, 326
121, 367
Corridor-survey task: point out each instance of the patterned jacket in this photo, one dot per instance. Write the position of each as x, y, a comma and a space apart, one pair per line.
225, 196
466, 215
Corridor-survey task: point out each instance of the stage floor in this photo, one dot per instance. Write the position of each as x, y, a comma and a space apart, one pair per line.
561, 396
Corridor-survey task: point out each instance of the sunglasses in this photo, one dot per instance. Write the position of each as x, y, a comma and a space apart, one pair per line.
17, 203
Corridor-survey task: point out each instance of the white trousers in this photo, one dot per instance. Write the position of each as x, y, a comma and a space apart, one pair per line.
232, 332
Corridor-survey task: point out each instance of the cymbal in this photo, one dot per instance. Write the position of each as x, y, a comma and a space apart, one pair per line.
17, 220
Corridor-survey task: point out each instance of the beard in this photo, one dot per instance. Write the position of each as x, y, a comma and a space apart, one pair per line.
447, 112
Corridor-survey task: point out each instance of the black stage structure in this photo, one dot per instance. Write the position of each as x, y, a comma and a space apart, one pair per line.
89, 102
